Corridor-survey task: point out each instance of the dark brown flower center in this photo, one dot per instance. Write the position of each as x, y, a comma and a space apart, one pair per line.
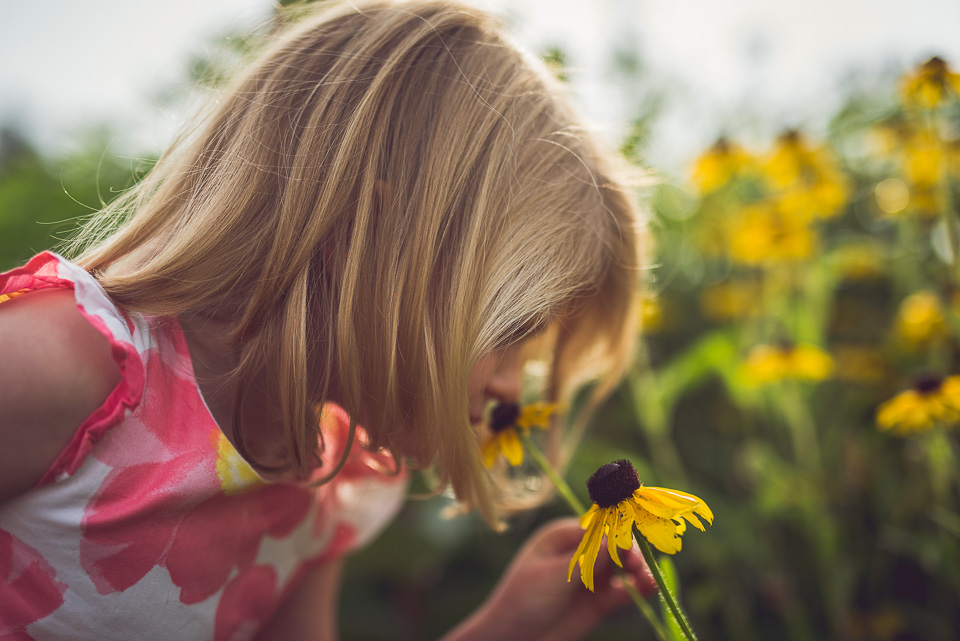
935, 66
928, 383
612, 483
503, 416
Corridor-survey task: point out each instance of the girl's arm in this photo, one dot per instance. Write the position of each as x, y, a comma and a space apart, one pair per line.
310, 612
55, 370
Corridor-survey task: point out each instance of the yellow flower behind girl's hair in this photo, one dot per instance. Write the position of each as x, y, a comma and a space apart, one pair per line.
507, 422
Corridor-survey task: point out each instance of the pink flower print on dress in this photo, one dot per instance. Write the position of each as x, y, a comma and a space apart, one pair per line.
248, 602
24, 572
174, 510
251, 598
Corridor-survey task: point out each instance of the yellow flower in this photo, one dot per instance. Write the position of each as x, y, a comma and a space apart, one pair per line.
930, 84
920, 319
931, 402
650, 314
763, 235
923, 202
730, 300
719, 165
811, 185
508, 420
772, 363
925, 157
620, 501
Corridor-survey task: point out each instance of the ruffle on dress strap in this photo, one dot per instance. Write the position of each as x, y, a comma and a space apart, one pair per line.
50, 271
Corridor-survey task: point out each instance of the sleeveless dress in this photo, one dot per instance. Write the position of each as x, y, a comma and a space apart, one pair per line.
149, 525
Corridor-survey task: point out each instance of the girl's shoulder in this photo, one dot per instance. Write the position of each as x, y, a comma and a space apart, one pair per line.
59, 367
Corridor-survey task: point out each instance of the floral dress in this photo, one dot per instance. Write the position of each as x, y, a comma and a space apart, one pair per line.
149, 525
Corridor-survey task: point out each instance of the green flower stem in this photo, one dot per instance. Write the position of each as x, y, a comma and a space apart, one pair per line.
665, 593
552, 474
945, 195
578, 508
803, 429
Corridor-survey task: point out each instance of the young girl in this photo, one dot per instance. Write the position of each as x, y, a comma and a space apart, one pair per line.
365, 230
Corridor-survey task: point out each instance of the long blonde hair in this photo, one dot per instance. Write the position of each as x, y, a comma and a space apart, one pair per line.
387, 193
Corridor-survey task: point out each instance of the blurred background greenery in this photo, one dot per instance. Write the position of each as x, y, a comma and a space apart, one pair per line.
797, 369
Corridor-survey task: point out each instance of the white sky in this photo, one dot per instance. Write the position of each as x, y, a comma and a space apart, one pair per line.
758, 63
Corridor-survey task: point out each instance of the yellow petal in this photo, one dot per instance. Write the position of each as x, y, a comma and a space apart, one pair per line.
705, 512
662, 533
587, 519
511, 447
623, 535
612, 519
586, 554
671, 503
490, 450
690, 516
537, 415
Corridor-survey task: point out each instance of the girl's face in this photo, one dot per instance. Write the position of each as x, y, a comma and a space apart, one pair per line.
498, 377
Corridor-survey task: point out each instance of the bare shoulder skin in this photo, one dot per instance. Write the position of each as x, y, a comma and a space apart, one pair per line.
55, 370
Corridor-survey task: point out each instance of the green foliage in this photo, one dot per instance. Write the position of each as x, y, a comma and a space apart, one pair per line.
42, 199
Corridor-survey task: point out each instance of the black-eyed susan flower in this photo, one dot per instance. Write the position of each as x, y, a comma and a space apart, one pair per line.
730, 300
620, 501
507, 421
933, 401
925, 157
720, 164
920, 319
772, 363
930, 84
806, 178
762, 235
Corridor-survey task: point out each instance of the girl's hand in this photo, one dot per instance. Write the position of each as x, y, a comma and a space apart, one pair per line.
534, 600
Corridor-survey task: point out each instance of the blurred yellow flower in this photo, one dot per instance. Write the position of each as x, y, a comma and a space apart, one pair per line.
619, 501
933, 402
729, 300
923, 202
761, 234
811, 185
930, 84
886, 137
507, 421
772, 363
650, 314
920, 319
926, 157
720, 164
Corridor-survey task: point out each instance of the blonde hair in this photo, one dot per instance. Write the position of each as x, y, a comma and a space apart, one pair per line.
387, 193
